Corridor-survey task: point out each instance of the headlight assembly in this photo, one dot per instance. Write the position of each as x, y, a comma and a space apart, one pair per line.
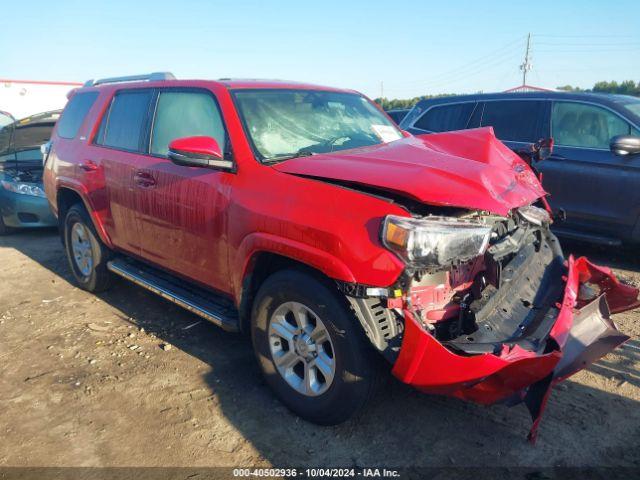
23, 188
435, 242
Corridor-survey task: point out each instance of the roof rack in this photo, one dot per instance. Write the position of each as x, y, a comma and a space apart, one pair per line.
155, 76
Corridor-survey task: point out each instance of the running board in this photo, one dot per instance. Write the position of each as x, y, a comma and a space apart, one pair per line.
215, 308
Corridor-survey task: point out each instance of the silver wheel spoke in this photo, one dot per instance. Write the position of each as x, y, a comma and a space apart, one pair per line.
286, 359
308, 379
81, 249
325, 365
282, 328
300, 315
319, 334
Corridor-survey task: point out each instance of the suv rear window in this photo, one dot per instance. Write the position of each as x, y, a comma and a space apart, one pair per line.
74, 113
516, 120
446, 118
123, 124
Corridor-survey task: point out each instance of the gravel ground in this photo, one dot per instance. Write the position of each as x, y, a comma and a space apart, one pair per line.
127, 379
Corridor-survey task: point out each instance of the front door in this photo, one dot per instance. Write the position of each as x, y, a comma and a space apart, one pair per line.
597, 190
182, 211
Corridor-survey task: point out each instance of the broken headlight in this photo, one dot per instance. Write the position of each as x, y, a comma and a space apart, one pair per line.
432, 242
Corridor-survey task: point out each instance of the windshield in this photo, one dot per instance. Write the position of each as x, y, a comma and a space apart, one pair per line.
289, 123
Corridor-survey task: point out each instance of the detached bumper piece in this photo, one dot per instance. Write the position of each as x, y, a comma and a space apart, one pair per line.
524, 371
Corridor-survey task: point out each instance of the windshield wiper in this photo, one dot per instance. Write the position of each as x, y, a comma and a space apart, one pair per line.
303, 152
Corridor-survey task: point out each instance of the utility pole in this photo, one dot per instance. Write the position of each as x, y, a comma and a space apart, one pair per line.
526, 66
381, 93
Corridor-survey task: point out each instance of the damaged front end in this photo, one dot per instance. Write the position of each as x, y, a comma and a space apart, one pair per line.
504, 324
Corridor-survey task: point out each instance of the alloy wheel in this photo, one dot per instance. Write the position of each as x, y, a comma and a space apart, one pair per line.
301, 349
81, 249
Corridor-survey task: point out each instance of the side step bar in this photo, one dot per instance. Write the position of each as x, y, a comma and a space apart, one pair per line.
208, 305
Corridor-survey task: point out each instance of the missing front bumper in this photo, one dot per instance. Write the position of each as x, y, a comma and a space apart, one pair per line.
578, 338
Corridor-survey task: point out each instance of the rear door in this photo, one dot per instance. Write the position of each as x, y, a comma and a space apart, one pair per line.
182, 211
120, 143
517, 123
597, 189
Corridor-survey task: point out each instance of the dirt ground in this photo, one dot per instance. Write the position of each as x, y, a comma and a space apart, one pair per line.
85, 381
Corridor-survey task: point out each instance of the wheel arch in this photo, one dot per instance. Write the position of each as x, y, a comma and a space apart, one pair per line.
69, 195
259, 266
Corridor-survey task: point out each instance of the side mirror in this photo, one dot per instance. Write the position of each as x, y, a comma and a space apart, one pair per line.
623, 145
544, 148
536, 152
198, 152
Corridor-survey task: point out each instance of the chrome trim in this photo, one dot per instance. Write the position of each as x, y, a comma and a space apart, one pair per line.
166, 294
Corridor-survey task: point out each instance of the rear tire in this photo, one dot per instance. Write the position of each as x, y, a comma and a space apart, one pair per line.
331, 350
86, 253
4, 230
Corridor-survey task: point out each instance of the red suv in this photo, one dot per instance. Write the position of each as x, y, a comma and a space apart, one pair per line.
303, 215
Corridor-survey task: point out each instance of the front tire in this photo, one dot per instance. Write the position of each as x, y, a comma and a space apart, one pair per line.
4, 230
311, 350
87, 255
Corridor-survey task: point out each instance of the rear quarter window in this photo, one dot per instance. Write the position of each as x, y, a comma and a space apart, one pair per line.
75, 113
446, 118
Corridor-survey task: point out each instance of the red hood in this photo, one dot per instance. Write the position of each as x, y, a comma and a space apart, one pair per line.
469, 168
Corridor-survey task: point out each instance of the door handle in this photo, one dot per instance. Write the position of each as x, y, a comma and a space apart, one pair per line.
89, 166
144, 179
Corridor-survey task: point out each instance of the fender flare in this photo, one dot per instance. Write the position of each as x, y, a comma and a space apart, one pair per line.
259, 242
83, 193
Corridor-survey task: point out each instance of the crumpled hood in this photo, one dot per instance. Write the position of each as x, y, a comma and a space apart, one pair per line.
468, 168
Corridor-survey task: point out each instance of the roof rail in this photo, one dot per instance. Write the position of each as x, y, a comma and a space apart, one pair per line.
155, 76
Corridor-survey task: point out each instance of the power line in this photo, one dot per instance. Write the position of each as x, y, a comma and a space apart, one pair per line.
458, 78
526, 65
504, 51
583, 36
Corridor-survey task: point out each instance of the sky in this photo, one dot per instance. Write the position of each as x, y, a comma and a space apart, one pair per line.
403, 49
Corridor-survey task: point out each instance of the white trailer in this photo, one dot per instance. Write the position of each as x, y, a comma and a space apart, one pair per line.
22, 98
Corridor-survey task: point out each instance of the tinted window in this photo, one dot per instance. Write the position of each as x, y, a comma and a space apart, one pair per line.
446, 118
397, 115
516, 121
74, 113
126, 119
587, 126
185, 114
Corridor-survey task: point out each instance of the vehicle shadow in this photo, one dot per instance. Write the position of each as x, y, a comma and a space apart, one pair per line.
401, 427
